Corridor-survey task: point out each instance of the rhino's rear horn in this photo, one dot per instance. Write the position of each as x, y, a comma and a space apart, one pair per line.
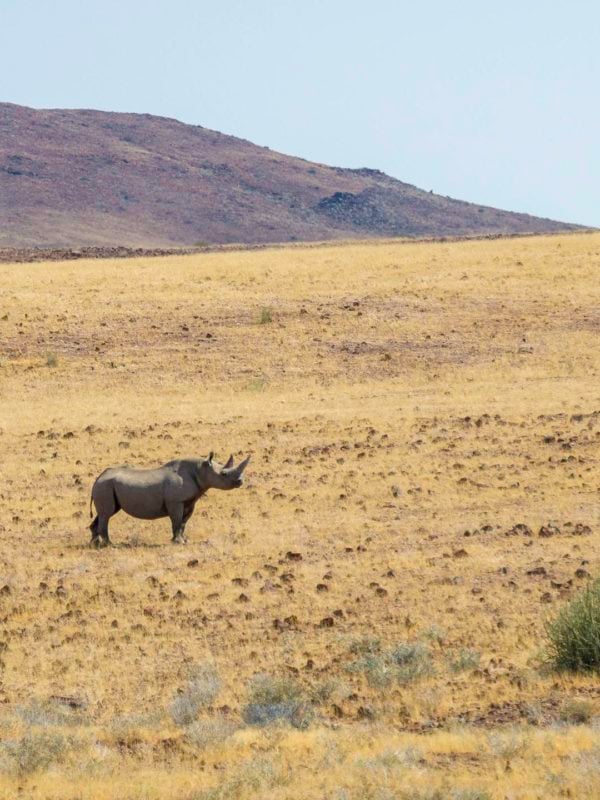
229, 463
242, 466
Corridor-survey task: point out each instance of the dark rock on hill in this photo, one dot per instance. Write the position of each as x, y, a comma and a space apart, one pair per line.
92, 178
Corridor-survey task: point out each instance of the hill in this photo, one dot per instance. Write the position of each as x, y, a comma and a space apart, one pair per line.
94, 178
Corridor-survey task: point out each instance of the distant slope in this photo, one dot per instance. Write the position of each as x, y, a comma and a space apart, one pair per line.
97, 178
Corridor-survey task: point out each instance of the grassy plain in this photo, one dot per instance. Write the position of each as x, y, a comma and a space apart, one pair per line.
406, 406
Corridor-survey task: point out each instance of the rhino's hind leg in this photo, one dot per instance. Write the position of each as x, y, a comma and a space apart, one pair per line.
106, 503
99, 529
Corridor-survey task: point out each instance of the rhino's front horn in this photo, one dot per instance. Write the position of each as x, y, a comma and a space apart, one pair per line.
229, 463
241, 467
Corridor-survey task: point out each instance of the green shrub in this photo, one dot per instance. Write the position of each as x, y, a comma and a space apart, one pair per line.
574, 635
51, 360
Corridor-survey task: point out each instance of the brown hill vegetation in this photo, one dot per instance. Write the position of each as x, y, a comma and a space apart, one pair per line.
81, 177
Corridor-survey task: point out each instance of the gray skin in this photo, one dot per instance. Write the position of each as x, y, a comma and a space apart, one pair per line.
169, 491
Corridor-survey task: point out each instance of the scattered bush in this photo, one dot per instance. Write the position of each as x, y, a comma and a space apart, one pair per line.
574, 635
51, 360
276, 700
34, 751
365, 645
406, 662
412, 661
201, 691
322, 692
463, 660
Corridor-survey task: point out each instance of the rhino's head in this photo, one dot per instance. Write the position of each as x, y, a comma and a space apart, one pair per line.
215, 476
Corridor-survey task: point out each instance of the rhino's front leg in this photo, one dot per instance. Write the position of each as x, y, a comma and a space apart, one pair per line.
188, 510
176, 515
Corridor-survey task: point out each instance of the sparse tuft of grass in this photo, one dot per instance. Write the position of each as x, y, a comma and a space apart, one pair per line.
201, 691
253, 776
435, 634
258, 384
574, 635
407, 662
577, 712
365, 645
51, 360
204, 732
464, 660
265, 317
276, 700
49, 712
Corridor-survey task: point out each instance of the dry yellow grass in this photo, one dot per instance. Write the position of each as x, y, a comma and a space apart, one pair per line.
406, 406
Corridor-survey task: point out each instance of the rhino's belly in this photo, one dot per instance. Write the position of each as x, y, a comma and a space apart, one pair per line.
141, 502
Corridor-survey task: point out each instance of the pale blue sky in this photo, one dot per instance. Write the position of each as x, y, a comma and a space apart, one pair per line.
494, 102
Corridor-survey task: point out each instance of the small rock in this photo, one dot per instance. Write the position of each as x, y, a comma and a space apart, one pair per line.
537, 571
546, 531
519, 530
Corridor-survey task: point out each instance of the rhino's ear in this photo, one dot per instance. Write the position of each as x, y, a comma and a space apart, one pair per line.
229, 463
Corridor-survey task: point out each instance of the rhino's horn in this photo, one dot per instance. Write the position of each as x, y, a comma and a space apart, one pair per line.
210, 457
242, 466
229, 463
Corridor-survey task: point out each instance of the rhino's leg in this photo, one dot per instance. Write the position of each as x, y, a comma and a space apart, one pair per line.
106, 504
188, 510
176, 514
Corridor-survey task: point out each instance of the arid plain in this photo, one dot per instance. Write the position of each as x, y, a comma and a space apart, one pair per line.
424, 425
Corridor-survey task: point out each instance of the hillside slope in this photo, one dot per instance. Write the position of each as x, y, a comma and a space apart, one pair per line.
97, 178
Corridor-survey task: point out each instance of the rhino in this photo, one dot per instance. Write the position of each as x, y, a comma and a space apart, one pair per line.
168, 491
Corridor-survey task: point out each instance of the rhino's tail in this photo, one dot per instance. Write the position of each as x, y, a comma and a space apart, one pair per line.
92, 498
